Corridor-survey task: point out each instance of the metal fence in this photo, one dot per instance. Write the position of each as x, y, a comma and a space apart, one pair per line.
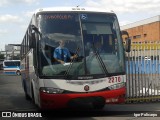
143, 72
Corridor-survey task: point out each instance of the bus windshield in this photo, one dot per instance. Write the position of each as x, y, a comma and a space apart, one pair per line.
11, 63
94, 38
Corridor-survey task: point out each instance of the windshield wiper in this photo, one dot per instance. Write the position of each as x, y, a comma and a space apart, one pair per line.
71, 63
100, 60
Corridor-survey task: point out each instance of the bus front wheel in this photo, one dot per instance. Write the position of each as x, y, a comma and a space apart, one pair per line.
27, 96
18, 73
32, 90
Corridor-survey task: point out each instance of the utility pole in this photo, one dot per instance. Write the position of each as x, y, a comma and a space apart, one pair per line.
6, 55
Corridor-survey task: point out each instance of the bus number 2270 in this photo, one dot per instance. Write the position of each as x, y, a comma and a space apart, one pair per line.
115, 79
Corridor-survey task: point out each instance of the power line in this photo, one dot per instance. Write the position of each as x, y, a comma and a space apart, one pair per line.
81, 3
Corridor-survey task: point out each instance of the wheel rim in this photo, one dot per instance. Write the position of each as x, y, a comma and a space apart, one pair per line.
18, 73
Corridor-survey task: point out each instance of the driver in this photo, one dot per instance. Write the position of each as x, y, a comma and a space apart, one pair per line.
61, 53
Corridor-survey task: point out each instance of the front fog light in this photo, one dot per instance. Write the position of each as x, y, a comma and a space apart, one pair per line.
50, 90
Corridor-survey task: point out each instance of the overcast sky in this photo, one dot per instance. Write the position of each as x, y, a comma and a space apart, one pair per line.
16, 14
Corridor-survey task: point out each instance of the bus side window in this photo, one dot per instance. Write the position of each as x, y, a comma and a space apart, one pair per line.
46, 56
88, 48
109, 43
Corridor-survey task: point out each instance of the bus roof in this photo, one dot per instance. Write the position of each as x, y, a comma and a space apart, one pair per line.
72, 9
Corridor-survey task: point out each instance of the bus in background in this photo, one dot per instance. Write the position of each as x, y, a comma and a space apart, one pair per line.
94, 77
11, 67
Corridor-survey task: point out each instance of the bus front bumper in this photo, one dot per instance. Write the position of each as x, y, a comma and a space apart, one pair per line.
56, 101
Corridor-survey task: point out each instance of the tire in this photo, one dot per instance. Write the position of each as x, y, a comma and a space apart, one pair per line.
18, 73
27, 96
33, 100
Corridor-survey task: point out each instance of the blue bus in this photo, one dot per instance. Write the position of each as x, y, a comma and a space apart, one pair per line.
11, 67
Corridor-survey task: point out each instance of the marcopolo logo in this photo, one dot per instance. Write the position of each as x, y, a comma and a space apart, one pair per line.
15, 114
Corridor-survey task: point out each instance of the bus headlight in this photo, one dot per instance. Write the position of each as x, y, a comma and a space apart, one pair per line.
51, 90
117, 86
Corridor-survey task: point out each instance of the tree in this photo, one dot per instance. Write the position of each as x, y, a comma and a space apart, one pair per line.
16, 57
1, 57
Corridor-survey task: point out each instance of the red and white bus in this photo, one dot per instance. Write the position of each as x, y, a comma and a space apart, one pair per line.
96, 78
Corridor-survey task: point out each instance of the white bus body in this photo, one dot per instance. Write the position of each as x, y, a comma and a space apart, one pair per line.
97, 79
11, 67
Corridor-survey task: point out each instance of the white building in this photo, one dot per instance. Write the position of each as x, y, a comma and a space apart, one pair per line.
12, 51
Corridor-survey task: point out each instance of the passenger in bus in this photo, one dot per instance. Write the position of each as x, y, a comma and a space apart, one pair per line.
87, 48
98, 47
61, 53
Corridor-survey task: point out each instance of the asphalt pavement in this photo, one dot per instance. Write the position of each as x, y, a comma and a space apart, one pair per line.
12, 99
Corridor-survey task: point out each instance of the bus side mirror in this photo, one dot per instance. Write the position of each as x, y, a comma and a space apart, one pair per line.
128, 41
32, 40
35, 29
124, 33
